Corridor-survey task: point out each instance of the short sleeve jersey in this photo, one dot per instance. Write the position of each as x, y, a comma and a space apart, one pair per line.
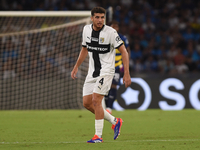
101, 47
118, 58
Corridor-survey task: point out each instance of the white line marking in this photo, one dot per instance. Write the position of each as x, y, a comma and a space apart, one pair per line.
129, 141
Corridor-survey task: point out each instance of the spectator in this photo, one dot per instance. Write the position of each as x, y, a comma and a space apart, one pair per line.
153, 24
148, 25
138, 66
179, 57
61, 63
172, 52
136, 52
188, 35
151, 65
192, 66
168, 67
10, 55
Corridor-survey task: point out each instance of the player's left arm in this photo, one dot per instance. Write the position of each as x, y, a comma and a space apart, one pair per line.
125, 60
129, 52
126, 43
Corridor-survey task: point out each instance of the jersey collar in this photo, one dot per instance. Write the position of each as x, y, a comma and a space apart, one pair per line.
99, 30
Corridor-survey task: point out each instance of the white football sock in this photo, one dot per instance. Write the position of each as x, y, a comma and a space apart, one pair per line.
99, 127
109, 117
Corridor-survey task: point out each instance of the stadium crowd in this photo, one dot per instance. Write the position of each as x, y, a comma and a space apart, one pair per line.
164, 35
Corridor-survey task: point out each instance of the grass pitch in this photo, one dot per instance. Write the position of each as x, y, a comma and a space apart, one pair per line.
70, 129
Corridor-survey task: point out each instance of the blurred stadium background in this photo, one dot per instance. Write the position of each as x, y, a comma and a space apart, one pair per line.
38, 53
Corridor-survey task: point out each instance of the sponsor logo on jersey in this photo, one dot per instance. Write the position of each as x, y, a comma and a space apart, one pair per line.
95, 39
101, 40
100, 48
97, 48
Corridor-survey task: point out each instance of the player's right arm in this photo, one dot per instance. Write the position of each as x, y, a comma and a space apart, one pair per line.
83, 54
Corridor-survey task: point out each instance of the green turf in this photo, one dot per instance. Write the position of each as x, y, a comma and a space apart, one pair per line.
70, 129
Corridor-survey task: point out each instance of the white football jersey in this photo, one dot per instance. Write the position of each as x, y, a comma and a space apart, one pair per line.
101, 47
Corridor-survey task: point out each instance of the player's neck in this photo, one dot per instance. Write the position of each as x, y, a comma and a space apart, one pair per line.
97, 28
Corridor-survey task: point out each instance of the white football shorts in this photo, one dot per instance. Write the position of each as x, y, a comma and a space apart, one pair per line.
100, 85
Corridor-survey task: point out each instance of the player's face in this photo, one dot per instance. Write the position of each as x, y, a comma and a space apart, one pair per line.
98, 21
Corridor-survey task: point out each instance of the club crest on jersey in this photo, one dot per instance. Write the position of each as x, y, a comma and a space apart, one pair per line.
101, 40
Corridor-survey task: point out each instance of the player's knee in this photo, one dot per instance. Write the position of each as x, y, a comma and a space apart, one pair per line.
86, 104
87, 101
96, 102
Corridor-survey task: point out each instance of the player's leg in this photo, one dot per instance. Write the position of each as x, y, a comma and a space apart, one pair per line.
99, 113
116, 122
88, 88
113, 92
111, 98
103, 103
87, 103
94, 104
97, 103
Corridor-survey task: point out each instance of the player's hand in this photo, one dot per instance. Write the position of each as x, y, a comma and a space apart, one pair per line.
127, 80
74, 72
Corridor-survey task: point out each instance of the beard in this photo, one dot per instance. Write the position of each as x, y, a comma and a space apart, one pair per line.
98, 26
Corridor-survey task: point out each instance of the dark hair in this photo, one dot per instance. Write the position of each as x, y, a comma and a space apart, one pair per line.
100, 10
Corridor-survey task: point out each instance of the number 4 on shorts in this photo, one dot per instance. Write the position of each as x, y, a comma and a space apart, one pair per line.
101, 81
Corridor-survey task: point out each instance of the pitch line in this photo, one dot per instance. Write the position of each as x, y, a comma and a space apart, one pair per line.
78, 142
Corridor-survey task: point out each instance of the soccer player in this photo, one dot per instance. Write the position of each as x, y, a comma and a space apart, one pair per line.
110, 98
99, 42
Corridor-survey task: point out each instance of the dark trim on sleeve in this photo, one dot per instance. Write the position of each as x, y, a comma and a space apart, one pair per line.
84, 46
119, 46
